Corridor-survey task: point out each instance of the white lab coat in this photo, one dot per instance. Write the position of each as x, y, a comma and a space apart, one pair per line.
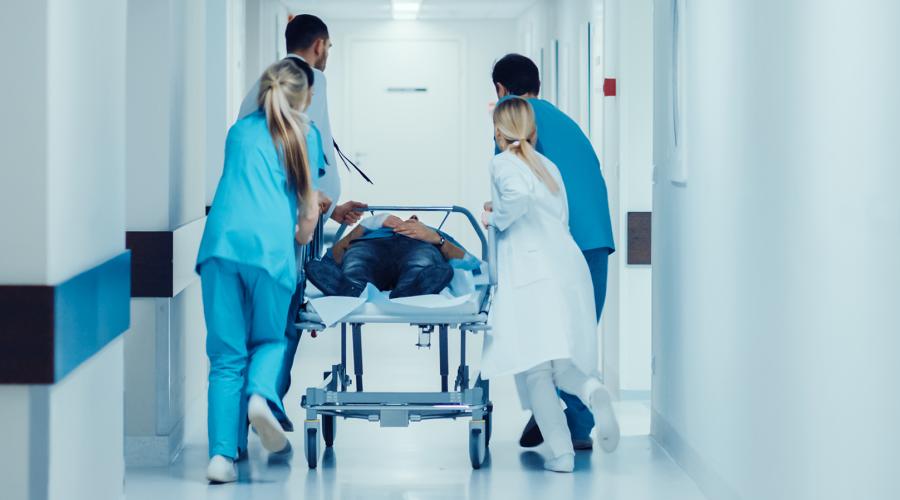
544, 306
330, 183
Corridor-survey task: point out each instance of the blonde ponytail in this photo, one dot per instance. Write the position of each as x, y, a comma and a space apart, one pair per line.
514, 120
283, 94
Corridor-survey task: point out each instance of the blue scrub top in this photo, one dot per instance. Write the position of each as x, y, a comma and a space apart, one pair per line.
561, 140
254, 213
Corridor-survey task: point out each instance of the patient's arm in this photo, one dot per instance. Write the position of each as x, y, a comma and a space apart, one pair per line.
341, 246
419, 231
451, 251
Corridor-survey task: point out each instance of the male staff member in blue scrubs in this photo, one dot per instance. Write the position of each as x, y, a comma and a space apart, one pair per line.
306, 38
561, 140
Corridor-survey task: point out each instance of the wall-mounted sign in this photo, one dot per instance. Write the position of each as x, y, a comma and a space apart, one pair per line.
407, 89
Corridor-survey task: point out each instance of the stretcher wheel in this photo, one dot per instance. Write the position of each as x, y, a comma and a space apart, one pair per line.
329, 429
311, 439
477, 443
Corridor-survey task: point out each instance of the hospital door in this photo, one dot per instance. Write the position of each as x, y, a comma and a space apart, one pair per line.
404, 109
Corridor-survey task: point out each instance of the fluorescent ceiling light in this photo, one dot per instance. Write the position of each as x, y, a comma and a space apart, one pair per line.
406, 10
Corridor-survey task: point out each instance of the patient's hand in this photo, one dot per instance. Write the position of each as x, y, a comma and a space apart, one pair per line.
489, 206
418, 231
392, 221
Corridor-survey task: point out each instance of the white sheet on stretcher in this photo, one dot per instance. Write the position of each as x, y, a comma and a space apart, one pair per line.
459, 297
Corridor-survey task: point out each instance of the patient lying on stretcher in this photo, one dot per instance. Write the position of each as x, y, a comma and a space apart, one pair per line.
406, 257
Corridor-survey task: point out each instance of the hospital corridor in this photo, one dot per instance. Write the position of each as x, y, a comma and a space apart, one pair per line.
450, 249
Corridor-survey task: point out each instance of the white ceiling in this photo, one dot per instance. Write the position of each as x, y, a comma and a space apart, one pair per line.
431, 9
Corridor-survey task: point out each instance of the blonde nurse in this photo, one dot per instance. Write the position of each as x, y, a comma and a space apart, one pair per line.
543, 318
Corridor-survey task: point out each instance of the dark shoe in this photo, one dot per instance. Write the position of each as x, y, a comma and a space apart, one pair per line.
531, 435
582, 444
350, 289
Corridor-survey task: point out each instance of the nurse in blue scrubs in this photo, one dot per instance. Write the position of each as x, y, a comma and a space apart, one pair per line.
265, 205
561, 140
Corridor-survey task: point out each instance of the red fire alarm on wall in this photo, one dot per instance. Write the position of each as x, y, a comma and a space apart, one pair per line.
609, 87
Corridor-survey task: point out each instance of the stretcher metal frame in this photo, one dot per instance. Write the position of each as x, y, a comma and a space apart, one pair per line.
332, 399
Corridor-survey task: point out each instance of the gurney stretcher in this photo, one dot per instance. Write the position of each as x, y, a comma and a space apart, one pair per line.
333, 399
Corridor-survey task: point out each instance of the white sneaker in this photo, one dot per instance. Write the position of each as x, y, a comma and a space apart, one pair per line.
604, 415
266, 425
221, 470
562, 463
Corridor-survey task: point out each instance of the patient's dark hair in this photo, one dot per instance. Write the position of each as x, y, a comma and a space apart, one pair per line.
303, 31
518, 74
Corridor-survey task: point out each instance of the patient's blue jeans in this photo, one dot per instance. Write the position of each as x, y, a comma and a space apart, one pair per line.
403, 265
578, 416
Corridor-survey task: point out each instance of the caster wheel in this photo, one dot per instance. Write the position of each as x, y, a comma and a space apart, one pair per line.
311, 439
477, 443
329, 429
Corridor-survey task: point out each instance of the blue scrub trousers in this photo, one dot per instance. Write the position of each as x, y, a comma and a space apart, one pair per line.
579, 416
245, 312
292, 342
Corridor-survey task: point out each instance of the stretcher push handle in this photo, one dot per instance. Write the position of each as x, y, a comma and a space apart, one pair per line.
492, 255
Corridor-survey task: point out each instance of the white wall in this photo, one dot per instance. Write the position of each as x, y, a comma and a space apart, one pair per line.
22, 140
265, 22
85, 429
85, 142
166, 113
187, 182
148, 129
775, 281
15, 417
225, 25
64, 441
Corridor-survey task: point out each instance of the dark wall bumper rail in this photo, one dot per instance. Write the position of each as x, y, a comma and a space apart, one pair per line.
46, 331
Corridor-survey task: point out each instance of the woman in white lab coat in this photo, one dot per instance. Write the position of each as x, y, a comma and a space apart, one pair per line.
543, 318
